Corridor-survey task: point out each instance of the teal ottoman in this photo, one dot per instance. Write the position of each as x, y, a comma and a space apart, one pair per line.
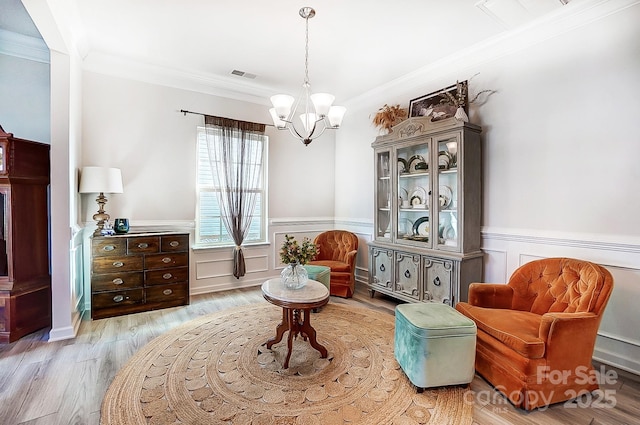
320, 273
434, 344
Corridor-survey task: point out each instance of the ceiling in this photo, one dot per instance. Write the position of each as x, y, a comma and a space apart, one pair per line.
354, 46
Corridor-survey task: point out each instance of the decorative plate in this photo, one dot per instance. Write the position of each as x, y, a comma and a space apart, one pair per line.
420, 194
413, 161
421, 226
444, 160
404, 194
403, 166
445, 194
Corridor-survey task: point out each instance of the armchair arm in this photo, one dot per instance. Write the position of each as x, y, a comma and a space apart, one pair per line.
350, 259
490, 295
569, 338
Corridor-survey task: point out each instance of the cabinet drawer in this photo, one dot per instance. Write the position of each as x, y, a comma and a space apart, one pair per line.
116, 281
164, 276
117, 298
176, 293
108, 246
407, 274
163, 261
117, 264
143, 245
174, 243
381, 264
438, 280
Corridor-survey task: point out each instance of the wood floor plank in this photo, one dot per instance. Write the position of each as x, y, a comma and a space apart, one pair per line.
63, 383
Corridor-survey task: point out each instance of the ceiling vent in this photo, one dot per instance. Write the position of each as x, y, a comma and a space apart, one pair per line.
243, 74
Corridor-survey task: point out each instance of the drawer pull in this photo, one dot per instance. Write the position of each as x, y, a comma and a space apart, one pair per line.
167, 276
118, 264
117, 281
436, 281
382, 267
109, 248
143, 245
407, 274
118, 298
174, 244
166, 260
167, 292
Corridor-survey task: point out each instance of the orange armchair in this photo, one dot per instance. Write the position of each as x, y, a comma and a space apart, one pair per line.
338, 250
536, 334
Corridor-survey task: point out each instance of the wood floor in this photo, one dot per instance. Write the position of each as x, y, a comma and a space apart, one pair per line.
63, 382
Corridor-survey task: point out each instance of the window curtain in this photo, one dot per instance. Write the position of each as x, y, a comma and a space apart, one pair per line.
235, 157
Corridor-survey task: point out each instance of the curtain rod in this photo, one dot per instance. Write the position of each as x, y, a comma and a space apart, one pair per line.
185, 112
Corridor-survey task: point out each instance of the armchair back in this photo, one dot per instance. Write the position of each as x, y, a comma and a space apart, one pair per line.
334, 245
560, 285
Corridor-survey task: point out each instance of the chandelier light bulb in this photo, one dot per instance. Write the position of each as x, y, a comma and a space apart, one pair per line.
321, 103
336, 114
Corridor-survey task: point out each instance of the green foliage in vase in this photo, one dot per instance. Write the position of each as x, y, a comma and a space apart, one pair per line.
293, 252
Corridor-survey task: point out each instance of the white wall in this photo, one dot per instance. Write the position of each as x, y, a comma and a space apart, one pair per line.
560, 153
137, 127
25, 108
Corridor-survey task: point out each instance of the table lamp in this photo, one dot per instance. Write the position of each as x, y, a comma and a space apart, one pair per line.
100, 180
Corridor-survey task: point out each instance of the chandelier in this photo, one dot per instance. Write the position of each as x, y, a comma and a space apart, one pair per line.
316, 112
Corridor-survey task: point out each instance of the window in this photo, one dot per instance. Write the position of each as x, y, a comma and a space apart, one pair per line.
210, 228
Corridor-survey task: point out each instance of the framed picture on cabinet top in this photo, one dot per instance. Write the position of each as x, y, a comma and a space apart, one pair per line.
438, 104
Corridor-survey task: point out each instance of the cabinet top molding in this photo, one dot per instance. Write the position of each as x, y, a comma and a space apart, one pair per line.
417, 126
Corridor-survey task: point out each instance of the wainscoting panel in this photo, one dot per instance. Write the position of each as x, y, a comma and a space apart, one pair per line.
212, 269
495, 266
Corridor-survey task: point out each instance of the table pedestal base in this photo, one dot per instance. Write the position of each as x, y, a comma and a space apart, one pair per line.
297, 322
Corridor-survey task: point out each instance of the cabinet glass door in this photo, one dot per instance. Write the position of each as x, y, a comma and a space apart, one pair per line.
383, 195
414, 190
447, 193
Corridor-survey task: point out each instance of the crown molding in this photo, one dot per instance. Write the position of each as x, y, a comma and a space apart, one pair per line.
23, 46
462, 64
118, 66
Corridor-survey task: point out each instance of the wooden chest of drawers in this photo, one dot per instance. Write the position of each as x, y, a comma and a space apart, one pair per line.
133, 273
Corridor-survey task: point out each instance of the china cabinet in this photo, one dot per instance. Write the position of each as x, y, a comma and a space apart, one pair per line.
426, 244
25, 279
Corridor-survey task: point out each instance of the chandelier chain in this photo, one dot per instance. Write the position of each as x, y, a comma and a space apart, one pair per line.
306, 52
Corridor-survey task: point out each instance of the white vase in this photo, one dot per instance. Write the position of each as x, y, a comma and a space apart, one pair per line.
294, 276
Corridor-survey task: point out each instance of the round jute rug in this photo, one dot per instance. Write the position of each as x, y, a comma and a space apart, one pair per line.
216, 370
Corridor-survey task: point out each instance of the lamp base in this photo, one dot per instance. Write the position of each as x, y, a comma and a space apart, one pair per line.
100, 217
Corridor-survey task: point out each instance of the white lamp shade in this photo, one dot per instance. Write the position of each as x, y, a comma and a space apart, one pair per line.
336, 114
276, 120
100, 180
282, 104
322, 102
308, 121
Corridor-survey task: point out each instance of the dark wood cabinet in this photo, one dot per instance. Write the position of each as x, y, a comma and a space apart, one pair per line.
25, 279
138, 272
